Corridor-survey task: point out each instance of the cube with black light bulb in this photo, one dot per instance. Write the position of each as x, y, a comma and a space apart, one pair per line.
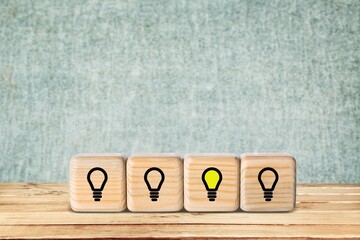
154, 183
211, 182
268, 182
97, 183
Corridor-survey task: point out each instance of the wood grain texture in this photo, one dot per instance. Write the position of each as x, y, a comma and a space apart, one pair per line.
196, 195
252, 193
42, 211
171, 192
113, 197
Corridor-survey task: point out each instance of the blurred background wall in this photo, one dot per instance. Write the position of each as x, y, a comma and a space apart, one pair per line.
179, 76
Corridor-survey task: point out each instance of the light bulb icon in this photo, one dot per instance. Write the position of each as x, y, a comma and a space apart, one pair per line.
154, 186
211, 178
98, 188
268, 191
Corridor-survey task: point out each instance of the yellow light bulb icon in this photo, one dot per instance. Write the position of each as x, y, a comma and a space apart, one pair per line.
211, 178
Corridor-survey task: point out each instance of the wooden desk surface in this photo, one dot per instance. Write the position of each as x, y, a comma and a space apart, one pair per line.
39, 211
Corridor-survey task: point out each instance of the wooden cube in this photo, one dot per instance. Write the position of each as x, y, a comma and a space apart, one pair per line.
154, 183
211, 182
97, 183
268, 182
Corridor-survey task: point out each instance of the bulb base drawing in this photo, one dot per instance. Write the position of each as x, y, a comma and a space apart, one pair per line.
268, 195
154, 195
211, 196
97, 195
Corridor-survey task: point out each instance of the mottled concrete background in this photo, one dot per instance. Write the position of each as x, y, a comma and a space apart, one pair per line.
179, 76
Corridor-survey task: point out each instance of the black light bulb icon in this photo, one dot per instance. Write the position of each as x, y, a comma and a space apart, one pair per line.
268, 191
97, 191
154, 187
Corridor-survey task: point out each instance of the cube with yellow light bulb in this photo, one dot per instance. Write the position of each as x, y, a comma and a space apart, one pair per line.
211, 182
268, 182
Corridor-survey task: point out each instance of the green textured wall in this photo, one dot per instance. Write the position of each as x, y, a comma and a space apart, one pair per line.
179, 76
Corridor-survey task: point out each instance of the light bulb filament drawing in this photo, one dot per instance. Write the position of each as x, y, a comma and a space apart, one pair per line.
268, 191
211, 178
97, 192
154, 189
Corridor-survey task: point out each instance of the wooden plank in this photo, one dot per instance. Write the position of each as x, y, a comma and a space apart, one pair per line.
180, 231
318, 189
68, 217
328, 206
40, 211
300, 207
64, 206
328, 185
55, 197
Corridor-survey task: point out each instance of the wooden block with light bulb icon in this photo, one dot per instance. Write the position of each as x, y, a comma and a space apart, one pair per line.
154, 183
211, 182
98, 183
268, 182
